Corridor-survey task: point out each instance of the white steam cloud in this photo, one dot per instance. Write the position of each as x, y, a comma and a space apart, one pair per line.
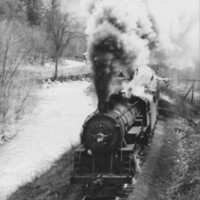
126, 34
172, 26
177, 25
128, 20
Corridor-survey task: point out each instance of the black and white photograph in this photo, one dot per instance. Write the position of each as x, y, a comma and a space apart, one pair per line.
99, 100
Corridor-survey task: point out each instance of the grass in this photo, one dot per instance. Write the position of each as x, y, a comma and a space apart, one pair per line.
171, 171
156, 173
53, 184
186, 182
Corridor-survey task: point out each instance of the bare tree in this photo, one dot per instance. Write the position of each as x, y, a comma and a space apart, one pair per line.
62, 29
14, 84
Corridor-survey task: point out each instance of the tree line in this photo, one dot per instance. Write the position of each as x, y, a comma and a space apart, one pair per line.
48, 32
31, 33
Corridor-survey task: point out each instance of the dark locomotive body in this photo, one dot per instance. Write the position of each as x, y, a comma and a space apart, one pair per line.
110, 138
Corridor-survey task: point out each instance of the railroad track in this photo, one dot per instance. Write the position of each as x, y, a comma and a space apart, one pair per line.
127, 189
124, 194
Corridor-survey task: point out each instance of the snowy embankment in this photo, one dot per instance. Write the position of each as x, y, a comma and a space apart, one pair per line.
54, 126
66, 67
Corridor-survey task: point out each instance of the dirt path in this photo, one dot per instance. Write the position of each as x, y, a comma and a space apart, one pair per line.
146, 180
53, 128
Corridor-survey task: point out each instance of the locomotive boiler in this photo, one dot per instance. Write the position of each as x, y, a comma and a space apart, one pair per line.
111, 137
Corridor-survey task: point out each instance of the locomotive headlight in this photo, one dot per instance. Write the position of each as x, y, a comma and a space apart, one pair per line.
100, 137
101, 134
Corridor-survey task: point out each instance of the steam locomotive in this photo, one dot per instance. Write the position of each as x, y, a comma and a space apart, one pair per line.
111, 136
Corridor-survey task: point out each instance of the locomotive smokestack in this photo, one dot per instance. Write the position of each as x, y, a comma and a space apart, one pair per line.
137, 33
103, 106
118, 41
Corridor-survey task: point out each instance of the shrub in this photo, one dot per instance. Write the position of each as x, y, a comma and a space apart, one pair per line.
14, 83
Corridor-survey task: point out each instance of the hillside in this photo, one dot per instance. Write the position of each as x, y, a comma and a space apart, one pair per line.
171, 170
50, 131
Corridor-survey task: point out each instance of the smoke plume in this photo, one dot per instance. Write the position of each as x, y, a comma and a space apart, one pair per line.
177, 25
125, 34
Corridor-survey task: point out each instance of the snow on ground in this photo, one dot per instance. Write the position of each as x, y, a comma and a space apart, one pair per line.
73, 63
53, 128
66, 67
63, 64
